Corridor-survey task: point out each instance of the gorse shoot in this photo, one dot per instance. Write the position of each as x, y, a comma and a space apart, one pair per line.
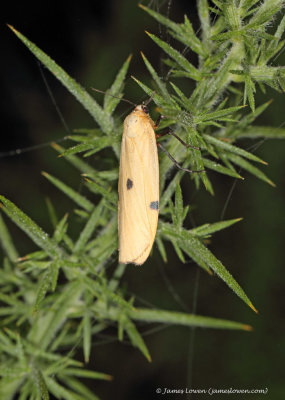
64, 295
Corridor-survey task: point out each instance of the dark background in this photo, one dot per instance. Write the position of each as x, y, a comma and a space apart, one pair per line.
91, 40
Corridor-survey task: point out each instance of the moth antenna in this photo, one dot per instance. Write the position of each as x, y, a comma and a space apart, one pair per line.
169, 131
116, 97
150, 99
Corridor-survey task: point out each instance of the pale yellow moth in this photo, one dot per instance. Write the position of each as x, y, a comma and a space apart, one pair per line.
138, 188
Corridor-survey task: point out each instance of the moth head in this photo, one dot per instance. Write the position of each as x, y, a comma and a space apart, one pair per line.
142, 107
145, 109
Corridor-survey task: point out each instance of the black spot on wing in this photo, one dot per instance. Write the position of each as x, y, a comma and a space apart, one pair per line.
129, 184
154, 205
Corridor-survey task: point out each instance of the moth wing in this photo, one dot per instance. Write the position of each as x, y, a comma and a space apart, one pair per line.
138, 196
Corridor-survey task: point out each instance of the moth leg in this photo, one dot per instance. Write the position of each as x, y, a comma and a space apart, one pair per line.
169, 131
156, 125
176, 163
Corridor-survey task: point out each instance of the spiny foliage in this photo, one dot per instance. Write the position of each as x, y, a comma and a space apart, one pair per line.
60, 297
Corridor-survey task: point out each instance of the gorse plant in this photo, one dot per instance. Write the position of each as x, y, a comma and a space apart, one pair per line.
44, 318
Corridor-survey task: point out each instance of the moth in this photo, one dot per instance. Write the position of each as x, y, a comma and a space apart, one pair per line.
138, 187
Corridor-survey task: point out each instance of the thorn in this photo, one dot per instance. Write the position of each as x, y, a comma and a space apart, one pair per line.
247, 328
22, 258
271, 183
12, 28
253, 308
55, 146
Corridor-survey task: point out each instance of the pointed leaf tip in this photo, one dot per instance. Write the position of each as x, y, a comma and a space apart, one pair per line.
135, 79
253, 308
12, 28
22, 258
271, 183
55, 146
142, 6
248, 328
